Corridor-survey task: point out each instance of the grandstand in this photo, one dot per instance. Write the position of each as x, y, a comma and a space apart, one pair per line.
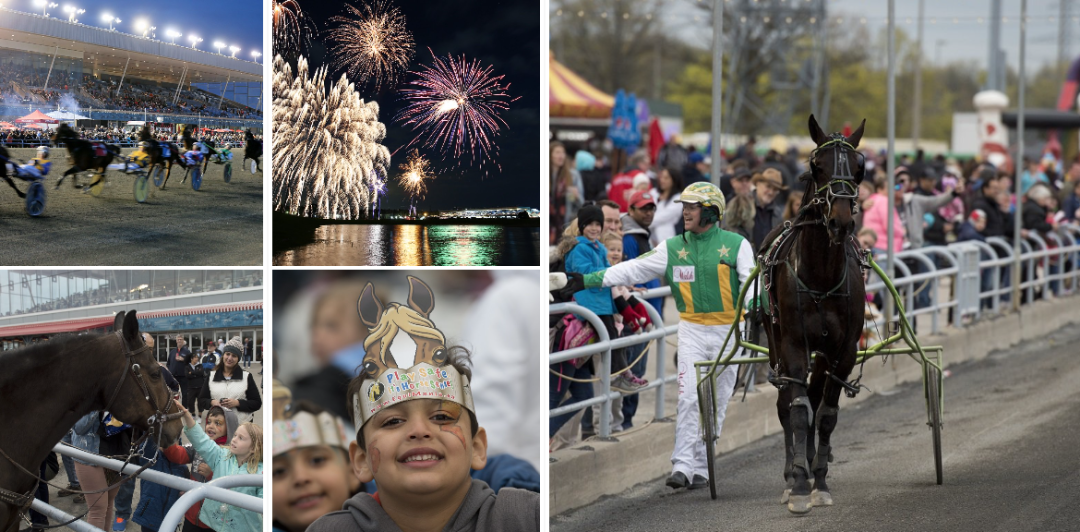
111, 77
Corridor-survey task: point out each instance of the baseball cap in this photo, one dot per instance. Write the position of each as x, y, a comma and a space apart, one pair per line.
642, 198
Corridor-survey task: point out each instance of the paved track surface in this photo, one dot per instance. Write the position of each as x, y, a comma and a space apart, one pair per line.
1012, 423
219, 225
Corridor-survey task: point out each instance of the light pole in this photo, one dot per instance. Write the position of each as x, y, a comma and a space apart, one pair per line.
234, 49
219, 45
72, 12
144, 27
255, 54
173, 34
110, 19
195, 40
45, 5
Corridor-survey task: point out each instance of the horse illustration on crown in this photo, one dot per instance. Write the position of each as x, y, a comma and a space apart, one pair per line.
385, 324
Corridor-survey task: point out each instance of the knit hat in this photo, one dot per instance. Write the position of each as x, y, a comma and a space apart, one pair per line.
589, 214
235, 346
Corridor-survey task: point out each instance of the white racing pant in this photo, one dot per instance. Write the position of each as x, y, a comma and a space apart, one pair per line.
30, 170
698, 343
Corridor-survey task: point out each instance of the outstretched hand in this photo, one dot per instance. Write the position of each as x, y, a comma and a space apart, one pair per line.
575, 282
189, 420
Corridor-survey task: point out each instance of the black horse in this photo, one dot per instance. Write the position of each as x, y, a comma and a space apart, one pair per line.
5, 159
253, 149
84, 155
813, 271
48, 386
156, 150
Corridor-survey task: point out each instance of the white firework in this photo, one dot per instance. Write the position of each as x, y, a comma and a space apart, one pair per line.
327, 151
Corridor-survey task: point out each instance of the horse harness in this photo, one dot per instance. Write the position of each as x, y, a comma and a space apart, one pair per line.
782, 251
22, 501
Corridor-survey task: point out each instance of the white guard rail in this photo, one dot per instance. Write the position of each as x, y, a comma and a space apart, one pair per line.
196, 491
1043, 268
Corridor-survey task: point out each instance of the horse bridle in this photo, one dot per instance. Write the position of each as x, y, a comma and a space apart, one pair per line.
157, 421
841, 184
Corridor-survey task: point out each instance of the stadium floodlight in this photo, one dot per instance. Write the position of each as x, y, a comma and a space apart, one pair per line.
110, 19
173, 34
144, 27
195, 40
45, 5
234, 49
72, 12
255, 54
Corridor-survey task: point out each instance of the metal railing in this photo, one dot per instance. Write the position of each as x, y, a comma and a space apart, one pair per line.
966, 301
123, 143
216, 489
10, 112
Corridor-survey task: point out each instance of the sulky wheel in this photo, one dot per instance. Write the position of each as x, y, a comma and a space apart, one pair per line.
254, 166
707, 407
159, 175
142, 187
35, 199
196, 178
228, 172
933, 407
97, 188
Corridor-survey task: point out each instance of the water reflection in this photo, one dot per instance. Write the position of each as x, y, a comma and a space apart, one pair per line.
417, 245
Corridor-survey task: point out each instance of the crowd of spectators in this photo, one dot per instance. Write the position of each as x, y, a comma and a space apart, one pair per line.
18, 87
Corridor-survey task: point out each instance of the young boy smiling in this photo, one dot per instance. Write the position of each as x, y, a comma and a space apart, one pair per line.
418, 436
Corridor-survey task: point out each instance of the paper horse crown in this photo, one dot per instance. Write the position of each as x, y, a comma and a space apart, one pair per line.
303, 429
431, 375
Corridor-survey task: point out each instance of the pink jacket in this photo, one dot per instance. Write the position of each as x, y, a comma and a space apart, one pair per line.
876, 219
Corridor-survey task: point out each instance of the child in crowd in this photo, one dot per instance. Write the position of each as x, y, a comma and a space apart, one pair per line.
242, 456
311, 472
220, 425
419, 442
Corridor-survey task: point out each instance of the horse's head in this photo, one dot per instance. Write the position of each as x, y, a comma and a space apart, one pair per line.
408, 325
144, 133
836, 169
143, 399
63, 132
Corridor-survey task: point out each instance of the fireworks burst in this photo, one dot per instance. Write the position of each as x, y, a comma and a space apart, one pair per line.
327, 155
291, 28
373, 44
415, 174
455, 105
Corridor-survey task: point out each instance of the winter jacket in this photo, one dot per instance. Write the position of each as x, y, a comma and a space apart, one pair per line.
876, 218
588, 257
666, 220
637, 242
225, 517
1035, 218
241, 387
155, 500
998, 222
513, 510
915, 206
87, 434
185, 454
967, 232
766, 217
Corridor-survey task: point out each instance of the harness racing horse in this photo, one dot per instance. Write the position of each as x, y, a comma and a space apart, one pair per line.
48, 386
813, 277
385, 324
153, 148
253, 149
5, 158
84, 155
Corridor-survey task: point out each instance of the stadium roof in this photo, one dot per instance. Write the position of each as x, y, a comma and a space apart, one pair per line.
107, 52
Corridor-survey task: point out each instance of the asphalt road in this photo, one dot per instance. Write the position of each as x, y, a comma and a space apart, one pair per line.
219, 225
1012, 423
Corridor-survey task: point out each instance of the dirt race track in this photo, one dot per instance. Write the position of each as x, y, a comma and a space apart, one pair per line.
219, 225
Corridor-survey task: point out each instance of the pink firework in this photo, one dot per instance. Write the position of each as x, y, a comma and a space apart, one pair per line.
454, 105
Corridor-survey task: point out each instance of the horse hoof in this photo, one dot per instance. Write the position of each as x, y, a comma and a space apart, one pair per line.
820, 498
799, 504
784, 497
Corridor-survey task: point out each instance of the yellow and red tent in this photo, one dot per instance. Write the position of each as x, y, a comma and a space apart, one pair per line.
571, 96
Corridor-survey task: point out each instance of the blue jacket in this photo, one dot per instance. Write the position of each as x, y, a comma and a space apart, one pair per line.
504, 470
968, 232
156, 500
589, 257
225, 517
87, 435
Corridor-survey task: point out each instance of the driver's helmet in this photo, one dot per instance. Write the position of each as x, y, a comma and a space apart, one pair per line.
705, 193
43, 152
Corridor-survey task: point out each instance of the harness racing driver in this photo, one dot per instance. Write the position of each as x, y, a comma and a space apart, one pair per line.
705, 268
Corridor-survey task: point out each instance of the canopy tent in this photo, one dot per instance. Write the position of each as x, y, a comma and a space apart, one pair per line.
37, 117
7, 125
66, 115
571, 96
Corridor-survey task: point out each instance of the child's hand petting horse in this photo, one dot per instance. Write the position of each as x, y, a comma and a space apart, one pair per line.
189, 421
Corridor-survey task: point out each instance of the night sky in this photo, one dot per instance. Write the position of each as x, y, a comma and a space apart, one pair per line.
503, 34
235, 22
